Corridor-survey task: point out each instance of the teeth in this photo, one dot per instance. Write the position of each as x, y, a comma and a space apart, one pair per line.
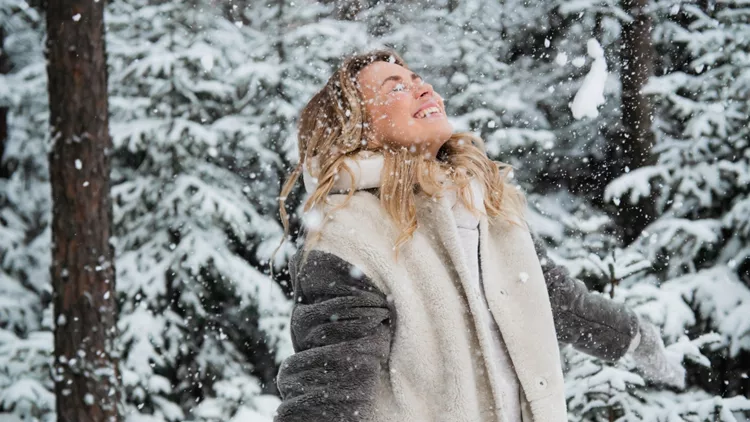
426, 112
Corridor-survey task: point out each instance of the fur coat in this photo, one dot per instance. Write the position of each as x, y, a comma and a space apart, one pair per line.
381, 340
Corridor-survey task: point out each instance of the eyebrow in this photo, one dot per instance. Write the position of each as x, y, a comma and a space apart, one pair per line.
414, 76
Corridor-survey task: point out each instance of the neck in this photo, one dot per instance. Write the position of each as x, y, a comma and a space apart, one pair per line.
436, 150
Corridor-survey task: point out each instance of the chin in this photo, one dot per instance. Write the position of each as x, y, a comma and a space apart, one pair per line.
442, 136
436, 131
444, 131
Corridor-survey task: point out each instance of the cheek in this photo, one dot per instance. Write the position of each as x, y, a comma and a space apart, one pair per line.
394, 110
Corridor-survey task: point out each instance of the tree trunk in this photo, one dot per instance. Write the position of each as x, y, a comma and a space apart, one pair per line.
82, 272
4, 69
636, 137
346, 10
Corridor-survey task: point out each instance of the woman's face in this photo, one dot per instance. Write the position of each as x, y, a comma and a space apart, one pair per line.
404, 110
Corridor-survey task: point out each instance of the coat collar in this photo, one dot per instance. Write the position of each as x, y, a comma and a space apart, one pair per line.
367, 167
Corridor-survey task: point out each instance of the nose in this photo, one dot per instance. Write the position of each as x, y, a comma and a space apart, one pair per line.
423, 89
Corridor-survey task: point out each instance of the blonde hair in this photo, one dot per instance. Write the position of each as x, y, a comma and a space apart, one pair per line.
333, 126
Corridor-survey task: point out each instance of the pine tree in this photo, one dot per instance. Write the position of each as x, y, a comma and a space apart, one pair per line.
203, 328
700, 242
683, 284
26, 339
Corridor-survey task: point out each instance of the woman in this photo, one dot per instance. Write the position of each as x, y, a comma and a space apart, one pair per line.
420, 294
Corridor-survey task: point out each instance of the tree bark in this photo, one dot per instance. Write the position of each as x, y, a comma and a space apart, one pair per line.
636, 137
82, 271
4, 69
346, 9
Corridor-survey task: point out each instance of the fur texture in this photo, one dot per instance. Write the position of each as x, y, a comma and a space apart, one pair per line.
591, 322
341, 330
385, 340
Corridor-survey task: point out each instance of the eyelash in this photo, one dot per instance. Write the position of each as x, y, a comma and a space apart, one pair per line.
402, 86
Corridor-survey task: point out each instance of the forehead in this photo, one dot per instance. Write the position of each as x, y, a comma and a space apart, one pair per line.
372, 75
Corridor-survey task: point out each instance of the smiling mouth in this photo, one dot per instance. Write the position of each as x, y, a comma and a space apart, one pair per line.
429, 111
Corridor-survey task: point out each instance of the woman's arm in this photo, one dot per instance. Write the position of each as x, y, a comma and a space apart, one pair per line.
589, 321
341, 333
604, 328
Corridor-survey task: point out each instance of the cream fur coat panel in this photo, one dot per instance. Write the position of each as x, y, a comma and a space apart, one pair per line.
428, 298
385, 340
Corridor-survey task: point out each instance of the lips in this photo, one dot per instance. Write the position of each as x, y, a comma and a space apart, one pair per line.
425, 108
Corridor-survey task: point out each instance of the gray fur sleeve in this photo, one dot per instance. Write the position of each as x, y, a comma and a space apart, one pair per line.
590, 321
341, 333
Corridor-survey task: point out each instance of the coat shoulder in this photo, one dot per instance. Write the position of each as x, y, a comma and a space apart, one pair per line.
357, 230
355, 221
362, 204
